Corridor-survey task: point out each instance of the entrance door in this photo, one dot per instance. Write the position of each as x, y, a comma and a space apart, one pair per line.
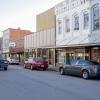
67, 59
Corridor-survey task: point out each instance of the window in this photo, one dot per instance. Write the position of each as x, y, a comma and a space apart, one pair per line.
76, 22
86, 20
59, 26
67, 25
96, 18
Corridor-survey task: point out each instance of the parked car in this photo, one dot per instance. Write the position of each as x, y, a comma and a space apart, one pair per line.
3, 63
35, 63
83, 68
12, 60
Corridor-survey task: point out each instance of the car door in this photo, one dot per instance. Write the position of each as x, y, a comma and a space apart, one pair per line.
70, 68
73, 68
78, 67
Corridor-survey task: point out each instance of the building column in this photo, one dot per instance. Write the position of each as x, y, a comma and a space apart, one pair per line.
54, 57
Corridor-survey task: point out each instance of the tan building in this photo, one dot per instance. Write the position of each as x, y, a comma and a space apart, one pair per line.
43, 44
45, 26
45, 20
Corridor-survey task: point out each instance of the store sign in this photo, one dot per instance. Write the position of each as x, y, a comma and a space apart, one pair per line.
12, 44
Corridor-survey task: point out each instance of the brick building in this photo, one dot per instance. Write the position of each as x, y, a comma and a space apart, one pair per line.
13, 43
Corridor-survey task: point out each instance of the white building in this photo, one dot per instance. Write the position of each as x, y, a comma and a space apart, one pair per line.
6, 42
40, 44
78, 26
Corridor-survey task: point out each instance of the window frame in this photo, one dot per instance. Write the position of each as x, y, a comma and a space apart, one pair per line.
59, 28
85, 25
95, 19
76, 28
67, 25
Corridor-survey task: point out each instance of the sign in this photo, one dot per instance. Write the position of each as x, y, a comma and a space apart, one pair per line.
12, 44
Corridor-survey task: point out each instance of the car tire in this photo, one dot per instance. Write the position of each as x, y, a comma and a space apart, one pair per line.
31, 67
62, 71
85, 74
24, 66
5, 68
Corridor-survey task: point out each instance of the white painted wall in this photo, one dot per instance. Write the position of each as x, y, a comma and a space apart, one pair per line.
68, 9
43, 39
6, 41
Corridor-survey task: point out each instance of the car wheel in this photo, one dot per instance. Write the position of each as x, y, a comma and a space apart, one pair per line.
24, 66
5, 68
62, 71
85, 74
31, 67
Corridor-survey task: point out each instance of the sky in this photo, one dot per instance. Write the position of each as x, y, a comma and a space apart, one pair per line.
22, 13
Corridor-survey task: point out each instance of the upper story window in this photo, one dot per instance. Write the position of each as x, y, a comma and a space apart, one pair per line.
96, 17
67, 25
86, 20
59, 26
76, 22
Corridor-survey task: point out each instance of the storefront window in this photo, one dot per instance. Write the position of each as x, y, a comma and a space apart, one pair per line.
51, 56
95, 54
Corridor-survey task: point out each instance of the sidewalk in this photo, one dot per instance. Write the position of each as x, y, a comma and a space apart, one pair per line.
52, 68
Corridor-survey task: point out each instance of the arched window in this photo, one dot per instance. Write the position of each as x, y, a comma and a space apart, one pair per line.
76, 22
96, 17
59, 26
86, 20
67, 25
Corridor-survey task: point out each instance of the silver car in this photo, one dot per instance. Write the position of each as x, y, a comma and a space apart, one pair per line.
83, 68
13, 61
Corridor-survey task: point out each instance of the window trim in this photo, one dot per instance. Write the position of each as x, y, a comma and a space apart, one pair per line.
67, 28
76, 15
94, 6
85, 12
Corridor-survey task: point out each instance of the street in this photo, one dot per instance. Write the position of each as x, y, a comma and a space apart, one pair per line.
18, 83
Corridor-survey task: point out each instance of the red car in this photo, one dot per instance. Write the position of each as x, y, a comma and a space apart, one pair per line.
35, 63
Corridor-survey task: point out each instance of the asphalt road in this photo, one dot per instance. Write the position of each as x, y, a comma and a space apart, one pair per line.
23, 84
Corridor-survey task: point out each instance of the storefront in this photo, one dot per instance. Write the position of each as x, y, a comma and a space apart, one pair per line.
95, 54
52, 56
65, 55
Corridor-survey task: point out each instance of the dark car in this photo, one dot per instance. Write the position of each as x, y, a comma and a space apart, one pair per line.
3, 63
83, 68
35, 63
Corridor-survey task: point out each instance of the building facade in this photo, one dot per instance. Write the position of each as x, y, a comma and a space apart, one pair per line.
13, 43
77, 30
42, 42
6, 39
